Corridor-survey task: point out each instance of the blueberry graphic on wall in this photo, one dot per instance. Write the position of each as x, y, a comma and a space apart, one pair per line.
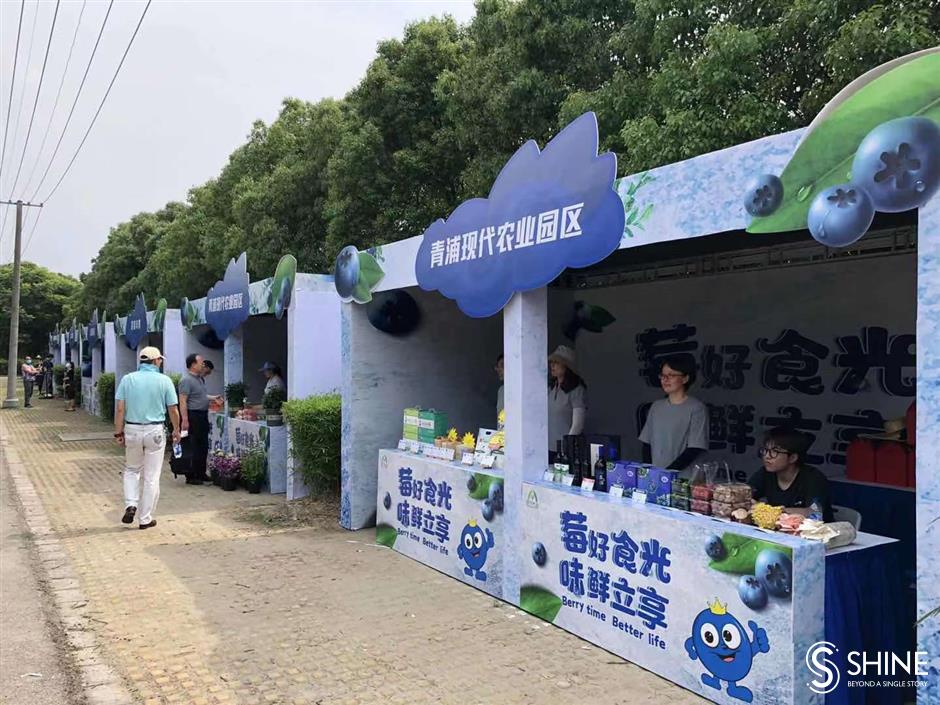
356, 274
393, 312
539, 555
763, 194
475, 544
752, 592
775, 571
898, 163
840, 215
726, 651
715, 548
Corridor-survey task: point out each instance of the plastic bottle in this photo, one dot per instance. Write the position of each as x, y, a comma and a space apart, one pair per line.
815, 511
177, 450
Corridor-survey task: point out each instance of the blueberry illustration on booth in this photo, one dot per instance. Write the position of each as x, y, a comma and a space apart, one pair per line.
726, 651
539, 555
471, 483
752, 592
346, 272
715, 548
475, 544
898, 163
495, 496
387, 501
775, 571
283, 295
763, 194
840, 215
486, 508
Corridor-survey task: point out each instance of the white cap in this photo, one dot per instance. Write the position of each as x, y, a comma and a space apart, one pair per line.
150, 353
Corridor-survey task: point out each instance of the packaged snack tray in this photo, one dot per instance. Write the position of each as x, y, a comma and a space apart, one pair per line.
732, 493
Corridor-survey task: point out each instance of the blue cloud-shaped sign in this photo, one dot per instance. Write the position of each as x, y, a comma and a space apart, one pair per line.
91, 334
135, 328
227, 303
547, 211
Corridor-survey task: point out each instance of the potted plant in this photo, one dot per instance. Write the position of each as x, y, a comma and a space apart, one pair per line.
254, 468
235, 396
229, 467
272, 402
216, 461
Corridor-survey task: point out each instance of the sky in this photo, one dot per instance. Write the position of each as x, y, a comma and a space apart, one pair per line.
196, 77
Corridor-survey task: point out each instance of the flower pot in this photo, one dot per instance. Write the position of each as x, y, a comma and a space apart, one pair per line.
274, 418
214, 474
255, 487
229, 483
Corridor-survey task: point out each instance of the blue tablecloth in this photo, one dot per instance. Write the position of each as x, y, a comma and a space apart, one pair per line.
864, 612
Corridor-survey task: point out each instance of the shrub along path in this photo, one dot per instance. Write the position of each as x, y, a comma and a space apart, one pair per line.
206, 608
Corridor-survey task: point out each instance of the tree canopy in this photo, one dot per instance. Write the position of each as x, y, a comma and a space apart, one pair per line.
44, 296
440, 110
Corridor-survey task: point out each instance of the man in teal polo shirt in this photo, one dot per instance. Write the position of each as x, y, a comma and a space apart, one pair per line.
143, 399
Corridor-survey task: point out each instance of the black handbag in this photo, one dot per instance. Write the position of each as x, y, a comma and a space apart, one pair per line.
183, 464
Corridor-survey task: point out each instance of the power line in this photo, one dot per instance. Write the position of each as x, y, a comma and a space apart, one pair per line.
68, 120
16, 52
98, 111
32, 116
29, 238
55, 104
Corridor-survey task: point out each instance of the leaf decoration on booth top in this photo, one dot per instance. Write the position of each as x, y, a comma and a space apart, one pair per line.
282, 288
742, 552
159, 315
385, 535
824, 155
540, 602
587, 317
370, 274
635, 214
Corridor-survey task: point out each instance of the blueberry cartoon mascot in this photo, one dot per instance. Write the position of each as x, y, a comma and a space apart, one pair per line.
475, 544
720, 642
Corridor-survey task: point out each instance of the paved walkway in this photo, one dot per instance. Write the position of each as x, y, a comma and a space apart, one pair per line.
208, 609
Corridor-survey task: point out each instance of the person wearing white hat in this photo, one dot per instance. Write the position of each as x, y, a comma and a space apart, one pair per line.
567, 403
143, 400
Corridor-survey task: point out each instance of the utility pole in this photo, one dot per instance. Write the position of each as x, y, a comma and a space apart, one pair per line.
11, 402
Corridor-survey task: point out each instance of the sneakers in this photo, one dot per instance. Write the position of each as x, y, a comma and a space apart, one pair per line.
153, 523
128, 517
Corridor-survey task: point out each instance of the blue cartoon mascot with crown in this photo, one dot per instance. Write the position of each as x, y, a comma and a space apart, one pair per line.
475, 544
720, 642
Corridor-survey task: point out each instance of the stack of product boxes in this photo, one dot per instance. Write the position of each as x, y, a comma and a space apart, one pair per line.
423, 425
680, 493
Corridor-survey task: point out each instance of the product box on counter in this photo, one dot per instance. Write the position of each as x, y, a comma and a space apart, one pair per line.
433, 422
655, 481
623, 474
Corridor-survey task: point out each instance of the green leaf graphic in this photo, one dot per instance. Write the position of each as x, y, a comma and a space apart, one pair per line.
370, 272
385, 535
600, 318
362, 294
825, 155
482, 487
742, 553
540, 602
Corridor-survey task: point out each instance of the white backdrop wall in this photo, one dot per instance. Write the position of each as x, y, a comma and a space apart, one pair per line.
826, 347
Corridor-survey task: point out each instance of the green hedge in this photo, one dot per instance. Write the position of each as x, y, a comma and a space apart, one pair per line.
315, 427
106, 395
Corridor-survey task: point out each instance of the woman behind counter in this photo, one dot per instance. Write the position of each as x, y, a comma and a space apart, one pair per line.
676, 429
272, 374
786, 480
567, 406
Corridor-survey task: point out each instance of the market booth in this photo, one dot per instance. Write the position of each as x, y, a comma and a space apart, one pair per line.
140, 328
94, 348
289, 322
792, 293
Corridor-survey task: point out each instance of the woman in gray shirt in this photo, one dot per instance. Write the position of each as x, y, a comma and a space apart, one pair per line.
676, 429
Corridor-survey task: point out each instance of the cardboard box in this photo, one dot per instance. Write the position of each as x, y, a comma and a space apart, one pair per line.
655, 481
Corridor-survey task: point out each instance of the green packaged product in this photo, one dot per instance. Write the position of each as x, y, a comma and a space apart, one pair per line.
681, 502
664, 500
680, 486
434, 422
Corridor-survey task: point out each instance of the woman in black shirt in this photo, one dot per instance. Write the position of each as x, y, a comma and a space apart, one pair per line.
785, 480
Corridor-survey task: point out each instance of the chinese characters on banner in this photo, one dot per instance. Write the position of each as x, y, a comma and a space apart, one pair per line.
528, 231
788, 375
419, 509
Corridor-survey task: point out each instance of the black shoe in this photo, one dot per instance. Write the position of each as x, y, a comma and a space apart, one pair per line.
27, 406
153, 522
128, 517
193, 480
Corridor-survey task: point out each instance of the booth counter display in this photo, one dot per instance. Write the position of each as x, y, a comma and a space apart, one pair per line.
443, 514
237, 436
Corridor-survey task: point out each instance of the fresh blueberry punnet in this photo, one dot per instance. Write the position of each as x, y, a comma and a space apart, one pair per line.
763, 195
715, 548
752, 592
775, 571
471, 483
898, 163
387, 501
346, 273
538, 553
487, 510
495, 496
840, 215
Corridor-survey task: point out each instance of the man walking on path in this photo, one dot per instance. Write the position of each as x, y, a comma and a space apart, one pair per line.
143, 399
29, 378
194, 412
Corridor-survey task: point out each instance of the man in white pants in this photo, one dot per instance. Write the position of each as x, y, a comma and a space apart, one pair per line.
143, 399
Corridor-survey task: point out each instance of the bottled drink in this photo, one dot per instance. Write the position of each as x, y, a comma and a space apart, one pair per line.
177, 450
600, 472
577, 460
561, 462
815, 511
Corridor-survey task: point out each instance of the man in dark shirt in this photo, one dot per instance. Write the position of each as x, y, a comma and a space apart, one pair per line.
194, 411
785, 480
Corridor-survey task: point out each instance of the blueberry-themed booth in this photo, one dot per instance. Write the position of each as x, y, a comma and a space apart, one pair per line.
794, 273
290, 320
140, 328
94, 348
